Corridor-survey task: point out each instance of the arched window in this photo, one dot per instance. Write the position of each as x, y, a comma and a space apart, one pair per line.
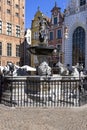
82, 2
78, 51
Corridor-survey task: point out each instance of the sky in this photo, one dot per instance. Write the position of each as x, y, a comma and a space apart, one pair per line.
45, 6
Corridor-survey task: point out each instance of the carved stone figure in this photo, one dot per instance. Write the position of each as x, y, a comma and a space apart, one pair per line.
13, 70
44, 69
43, 25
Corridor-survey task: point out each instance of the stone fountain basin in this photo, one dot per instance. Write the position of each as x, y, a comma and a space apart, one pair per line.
41, 50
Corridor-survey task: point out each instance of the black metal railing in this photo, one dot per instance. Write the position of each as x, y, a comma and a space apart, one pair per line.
46, 92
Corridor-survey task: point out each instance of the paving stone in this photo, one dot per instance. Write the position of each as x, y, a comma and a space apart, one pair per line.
26, 118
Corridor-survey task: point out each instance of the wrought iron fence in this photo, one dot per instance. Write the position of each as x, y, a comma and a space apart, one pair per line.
28, 91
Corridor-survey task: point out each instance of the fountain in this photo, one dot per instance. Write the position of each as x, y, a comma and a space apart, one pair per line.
45, 86
42, 50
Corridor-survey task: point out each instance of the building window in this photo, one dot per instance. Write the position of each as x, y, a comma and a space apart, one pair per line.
59, 35
17, 50
51, 35
17, 31
82, 2
8, 2
0, 48
9, 62
9, 29
22, 15
17, 6
0, 8
36, 35
55, 20
17, 14
0, 26
78, 46
9, 49
17, 63
8, 11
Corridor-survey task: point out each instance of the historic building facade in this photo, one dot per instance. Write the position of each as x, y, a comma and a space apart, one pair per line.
56, 31
11, 30
75, 35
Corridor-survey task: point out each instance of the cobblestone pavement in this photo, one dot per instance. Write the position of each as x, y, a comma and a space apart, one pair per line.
43, 119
